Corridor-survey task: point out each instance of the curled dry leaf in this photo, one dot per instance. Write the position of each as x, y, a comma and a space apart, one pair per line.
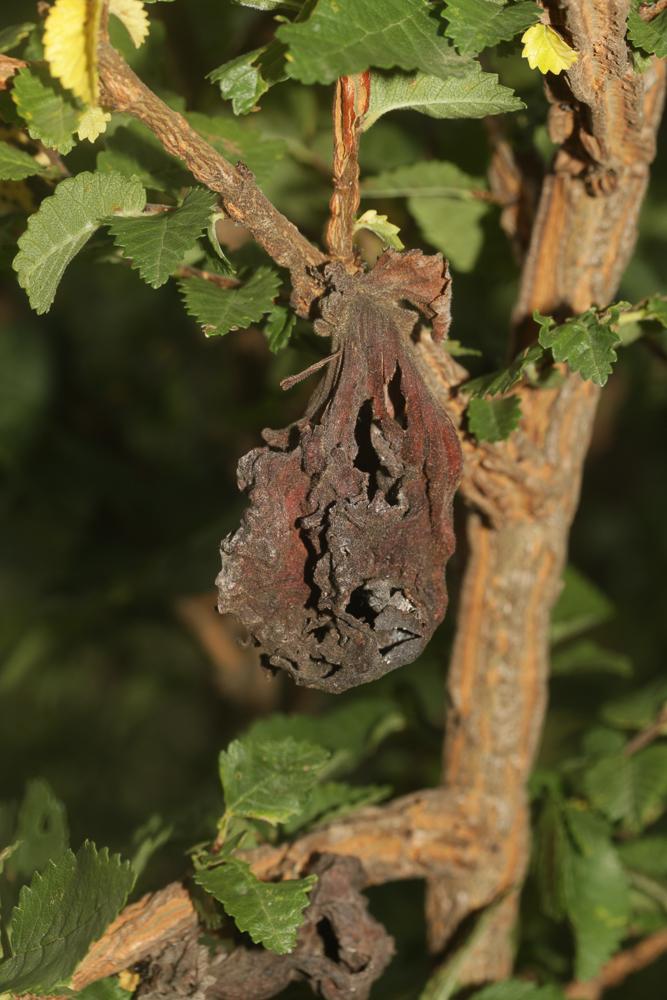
337, 569
8, 67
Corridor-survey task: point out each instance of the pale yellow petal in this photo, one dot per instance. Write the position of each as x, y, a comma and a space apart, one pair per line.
133, 16
70, 45
546, 50
92, 123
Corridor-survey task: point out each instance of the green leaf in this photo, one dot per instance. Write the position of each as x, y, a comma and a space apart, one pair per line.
147, 840
598, 897
271, 779
350, 733
474, 25
493, 419
271, 4
219, 310
451, 226
381, 227
347, 36
15, 165
637, 709
49, 111
651, 36
551, 858
515, 989
586, 343
279, 327
588, 657
245, 79
41, 830
270, 912
580, 606
13, 35
104, 989
428, 179
656, 309
60, 914
133, 151
648, 855
632, 789
474, 95
157, 244
240, 139
63, 225
331, 799
500, 382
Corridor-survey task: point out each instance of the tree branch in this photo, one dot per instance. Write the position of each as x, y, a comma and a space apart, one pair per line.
620, 967
351, 99
122, 90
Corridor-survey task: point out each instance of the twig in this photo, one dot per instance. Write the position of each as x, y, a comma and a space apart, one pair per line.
244, 202
221, 280
350, 104
646, 736
648, 11
618, 968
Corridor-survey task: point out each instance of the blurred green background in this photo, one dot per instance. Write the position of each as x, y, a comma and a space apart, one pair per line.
120, 429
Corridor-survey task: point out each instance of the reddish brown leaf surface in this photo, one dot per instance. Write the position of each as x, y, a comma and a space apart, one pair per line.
337, 569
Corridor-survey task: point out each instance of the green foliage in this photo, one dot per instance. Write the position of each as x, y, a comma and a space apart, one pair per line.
473, 95
219, 310
648, 855
15, 165
586, 343
279, 328
130, 149
245, 79
493, 419
48, 111
580, 606
637, 709
514, 989
60, 914
429, 179
157, 244
64, 224
651, 36
474, 25
588, 657
12, 36
271, 913
381, 227
270, 779
500, 382
331, 799
631, 788
348, 36
105, 989
41, 831
240, 140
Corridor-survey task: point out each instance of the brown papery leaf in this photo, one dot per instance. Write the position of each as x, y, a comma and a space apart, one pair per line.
337, 569
8, 67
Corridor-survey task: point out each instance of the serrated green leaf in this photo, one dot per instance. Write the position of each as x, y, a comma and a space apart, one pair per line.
240, 140
381, 227
474, 25
63, 225
651, 36
60, 914
500, 382
332, 799
580, 606
632, 789
474, 95
245, 79
219, 310
452, 226
348, 36
41, 830
586, 343
637, 709
428, 179
49, 112
13, 35
279, 327
157, 244
270, 912
588, 657
597, 892
515, 989
493, 419
270, 779
648, 855
350, 733
656, 309
15, 165
133, 151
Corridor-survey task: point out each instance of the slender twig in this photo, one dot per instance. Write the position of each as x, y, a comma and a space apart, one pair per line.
652, 732
618, 968
350, 103
244, 202
221, 280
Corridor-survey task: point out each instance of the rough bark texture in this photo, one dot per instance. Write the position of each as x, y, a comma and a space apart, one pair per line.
337, 570
351, 99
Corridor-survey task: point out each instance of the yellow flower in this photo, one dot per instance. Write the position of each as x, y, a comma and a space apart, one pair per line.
546, 50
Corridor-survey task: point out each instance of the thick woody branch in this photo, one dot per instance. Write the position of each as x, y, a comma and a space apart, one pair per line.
351, 99
122, 90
